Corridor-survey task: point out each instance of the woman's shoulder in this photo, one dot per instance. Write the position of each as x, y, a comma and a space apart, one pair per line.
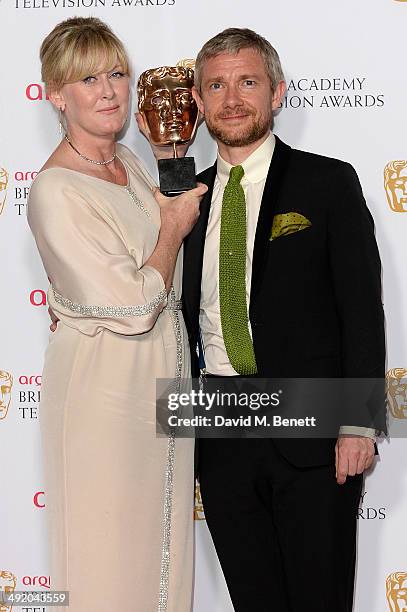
52, 182
57, 191
46, 182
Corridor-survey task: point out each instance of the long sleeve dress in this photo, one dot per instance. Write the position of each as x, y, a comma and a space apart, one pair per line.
119, 499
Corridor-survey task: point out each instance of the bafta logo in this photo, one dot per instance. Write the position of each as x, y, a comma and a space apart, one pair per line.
3, 188
198, 510
396, 591
7, 585
396, 389
6, 384
395, 184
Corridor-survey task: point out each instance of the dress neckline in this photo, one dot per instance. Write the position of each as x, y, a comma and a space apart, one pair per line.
126, 186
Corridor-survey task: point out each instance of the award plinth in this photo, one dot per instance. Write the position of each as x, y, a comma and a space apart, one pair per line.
176, 175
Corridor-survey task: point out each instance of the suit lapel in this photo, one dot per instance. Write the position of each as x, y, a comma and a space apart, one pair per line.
267, 211
194, 251
195, 242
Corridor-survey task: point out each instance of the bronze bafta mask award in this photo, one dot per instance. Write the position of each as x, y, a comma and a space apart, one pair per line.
171, 115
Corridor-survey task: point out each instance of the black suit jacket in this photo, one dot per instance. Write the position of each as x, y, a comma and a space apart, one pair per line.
315, 302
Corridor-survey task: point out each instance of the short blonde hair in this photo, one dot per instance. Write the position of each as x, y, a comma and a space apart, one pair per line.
79, 47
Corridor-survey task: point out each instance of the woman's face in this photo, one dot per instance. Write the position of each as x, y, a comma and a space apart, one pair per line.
98, 104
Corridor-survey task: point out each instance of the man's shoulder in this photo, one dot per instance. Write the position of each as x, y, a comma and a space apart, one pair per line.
319, 163
298, 161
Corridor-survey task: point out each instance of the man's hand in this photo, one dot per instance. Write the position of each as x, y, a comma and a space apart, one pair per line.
163, 152
353, 454
54, 320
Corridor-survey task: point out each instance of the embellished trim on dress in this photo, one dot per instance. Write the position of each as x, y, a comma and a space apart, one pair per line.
136, 200
173, 305
111, 311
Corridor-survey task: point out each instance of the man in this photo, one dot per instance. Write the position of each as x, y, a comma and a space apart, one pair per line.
282, 512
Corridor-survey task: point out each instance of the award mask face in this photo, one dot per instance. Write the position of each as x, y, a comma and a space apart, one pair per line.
165, 100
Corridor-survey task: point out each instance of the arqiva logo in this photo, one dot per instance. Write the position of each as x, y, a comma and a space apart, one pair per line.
38, 499
38, 297
44, 581
35, 92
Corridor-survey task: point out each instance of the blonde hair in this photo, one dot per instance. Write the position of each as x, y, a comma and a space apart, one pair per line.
79, 47
232, 41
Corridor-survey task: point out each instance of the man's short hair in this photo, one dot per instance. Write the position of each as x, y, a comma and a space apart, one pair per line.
232, 41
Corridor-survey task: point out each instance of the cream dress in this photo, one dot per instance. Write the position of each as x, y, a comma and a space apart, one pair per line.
119, 500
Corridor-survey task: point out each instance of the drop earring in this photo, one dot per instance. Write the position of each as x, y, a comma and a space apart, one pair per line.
61, 127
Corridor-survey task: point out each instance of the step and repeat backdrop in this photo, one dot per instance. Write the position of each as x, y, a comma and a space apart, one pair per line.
345, 69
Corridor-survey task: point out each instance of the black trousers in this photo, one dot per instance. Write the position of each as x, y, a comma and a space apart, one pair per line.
285, 536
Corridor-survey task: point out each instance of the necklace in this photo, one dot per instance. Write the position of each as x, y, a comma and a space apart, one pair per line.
92, 161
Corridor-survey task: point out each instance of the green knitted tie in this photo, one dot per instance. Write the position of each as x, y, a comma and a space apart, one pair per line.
232, 276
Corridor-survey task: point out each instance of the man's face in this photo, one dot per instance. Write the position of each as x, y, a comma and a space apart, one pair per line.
397, 186
5, 393
236, 97
170, 111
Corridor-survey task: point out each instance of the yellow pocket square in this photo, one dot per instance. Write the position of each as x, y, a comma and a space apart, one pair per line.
288, 223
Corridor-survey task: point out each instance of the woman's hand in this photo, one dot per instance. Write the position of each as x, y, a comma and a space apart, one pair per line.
179, 214
160, 152
54, 320
178, 217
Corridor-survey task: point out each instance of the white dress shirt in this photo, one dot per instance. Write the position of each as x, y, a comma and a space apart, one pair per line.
256, 168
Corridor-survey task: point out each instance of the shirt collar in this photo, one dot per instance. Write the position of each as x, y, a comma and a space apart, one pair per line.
255, 167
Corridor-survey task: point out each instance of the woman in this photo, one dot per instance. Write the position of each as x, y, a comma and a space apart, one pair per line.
119, 499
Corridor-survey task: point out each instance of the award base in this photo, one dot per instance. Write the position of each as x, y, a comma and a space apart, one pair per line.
176, 175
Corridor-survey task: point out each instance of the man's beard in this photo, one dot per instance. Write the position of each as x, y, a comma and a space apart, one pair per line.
254, 132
